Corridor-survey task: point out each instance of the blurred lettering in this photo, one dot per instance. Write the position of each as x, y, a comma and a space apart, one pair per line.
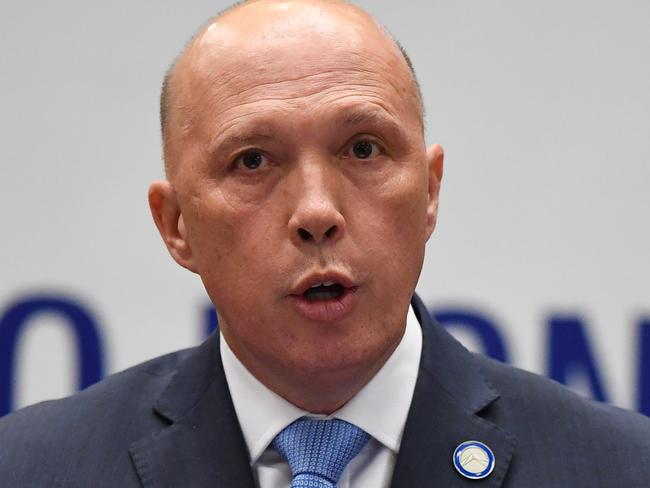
479, 325
16, 318
569, 353
643, 386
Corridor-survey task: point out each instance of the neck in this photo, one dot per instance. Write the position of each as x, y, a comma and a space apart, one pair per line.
316, 391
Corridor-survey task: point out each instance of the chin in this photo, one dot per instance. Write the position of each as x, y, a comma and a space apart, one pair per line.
340, 360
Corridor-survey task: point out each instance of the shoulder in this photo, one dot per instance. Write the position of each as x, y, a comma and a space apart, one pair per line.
560, 433
99, 422
530, 393
131, 390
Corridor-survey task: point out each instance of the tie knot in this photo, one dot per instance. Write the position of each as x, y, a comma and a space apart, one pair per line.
319, 450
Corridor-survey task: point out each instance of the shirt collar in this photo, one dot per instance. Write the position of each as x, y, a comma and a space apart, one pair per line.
392, 388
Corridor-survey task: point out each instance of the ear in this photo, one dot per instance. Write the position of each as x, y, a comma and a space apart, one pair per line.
434, 159
167, 215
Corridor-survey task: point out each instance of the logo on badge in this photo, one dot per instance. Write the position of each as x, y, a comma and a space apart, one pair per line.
473, 460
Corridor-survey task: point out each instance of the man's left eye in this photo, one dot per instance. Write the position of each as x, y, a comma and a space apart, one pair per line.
365, 149
251, 160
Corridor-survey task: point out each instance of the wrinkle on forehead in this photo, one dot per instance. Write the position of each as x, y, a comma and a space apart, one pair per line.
254, 85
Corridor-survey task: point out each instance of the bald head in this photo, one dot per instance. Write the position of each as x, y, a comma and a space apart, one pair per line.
262, 25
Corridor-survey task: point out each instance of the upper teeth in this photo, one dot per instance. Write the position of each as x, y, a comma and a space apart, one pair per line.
326, 283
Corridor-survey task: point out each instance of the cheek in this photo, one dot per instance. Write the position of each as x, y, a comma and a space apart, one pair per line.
392, 229
225, 239
222, 223
396, 213
213, 231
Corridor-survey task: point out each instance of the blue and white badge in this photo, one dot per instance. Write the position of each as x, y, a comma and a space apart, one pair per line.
473, 460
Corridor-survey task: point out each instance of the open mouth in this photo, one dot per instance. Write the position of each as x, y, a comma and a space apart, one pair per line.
329, 290
326, 297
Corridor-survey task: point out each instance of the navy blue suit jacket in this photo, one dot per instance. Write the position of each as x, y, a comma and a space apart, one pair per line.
170, 422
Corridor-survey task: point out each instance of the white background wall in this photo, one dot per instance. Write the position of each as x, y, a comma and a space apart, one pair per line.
543, 109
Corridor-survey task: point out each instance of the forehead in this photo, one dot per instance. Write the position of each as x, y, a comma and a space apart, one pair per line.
283, 56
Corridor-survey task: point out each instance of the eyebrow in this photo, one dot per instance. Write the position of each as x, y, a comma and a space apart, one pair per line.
360, 116
241, 137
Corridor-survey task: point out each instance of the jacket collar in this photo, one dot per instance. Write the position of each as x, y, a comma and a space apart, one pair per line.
450, 393
203, 446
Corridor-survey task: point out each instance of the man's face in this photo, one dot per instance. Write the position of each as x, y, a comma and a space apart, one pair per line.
305, 192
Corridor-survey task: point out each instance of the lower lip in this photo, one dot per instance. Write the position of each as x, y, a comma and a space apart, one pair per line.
326, 311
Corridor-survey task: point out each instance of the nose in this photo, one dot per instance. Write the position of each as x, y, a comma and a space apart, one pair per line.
316, 216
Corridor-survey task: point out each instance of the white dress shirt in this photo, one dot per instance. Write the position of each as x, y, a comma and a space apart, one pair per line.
380, 408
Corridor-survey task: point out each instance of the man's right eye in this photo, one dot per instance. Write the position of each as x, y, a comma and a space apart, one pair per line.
251, 160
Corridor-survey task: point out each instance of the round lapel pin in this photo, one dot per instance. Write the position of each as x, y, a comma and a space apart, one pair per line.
473, 460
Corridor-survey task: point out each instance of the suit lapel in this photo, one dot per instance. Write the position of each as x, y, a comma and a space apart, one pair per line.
449, 394
203, 445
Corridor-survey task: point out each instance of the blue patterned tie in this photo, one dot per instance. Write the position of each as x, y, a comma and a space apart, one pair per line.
319, 450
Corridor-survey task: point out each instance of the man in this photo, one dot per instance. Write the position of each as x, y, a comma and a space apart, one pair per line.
300, 190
